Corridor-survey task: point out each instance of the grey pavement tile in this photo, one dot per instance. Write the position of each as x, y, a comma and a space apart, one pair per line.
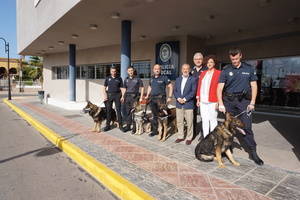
180, 146
252, 183
136, 175
182, 157
175, 194
291, 182
125, 165
133, 177
269, 173
226, 173
155, 186
203, 166
190, 150
283, 193
246, 165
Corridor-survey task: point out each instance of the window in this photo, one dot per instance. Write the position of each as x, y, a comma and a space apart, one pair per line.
91, 72
60, 72
100, 71
278, 81
143, 68
83, 72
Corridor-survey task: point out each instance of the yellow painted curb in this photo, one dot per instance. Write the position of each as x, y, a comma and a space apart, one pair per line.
121, 187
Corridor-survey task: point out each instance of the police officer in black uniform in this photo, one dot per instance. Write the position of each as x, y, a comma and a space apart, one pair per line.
237, 91
196, 72
157, 94
133, 86
114, 89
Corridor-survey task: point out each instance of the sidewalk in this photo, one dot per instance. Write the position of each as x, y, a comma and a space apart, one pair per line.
166, 170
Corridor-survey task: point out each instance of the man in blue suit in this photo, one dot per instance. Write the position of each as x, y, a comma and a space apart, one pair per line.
185, 90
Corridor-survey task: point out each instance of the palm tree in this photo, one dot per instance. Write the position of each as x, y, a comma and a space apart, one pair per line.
37, 73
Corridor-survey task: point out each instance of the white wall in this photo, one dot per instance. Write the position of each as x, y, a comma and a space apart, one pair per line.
33, 21
265, 48
93, 89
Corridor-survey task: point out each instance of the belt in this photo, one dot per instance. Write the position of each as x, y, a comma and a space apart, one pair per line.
132, 94
233, 94
158, 96
113, 92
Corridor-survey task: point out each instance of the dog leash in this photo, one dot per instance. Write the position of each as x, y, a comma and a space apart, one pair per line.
245, 111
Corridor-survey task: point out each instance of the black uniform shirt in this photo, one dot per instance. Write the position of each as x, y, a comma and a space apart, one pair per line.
196, 73
133, 85
237, 80
113, 84
158, 85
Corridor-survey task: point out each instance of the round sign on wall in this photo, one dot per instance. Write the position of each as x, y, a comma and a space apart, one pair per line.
165, 52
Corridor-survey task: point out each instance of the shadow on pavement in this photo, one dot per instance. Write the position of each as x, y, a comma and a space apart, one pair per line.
287, 127
45, 151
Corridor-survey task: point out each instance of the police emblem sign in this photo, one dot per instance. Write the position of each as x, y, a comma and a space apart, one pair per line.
167, 55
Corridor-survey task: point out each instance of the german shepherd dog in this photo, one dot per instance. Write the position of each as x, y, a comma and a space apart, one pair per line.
166, 117
141, 119
98, 114
219, 141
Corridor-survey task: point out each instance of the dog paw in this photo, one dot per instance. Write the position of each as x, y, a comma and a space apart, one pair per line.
221, 166
164, 139
236, 164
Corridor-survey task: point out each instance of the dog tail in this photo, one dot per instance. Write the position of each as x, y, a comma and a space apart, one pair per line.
205, 158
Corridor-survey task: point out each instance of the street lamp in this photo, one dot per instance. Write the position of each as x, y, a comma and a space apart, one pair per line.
7, 51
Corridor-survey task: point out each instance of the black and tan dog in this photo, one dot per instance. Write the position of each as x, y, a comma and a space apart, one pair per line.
141, 119
98, 114
166, 118
219, 141
142, 122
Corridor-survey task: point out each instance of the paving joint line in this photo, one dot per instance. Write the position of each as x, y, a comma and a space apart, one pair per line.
118, 185
277, 185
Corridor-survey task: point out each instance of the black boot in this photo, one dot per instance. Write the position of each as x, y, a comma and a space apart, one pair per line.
153, 133
106, 128
121, 128
127, 128
133, 131
255, 157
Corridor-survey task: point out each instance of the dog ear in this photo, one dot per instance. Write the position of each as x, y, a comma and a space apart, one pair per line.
228, 116
165, 112
227, 119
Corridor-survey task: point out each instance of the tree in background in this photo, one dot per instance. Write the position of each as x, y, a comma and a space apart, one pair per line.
36, 73
33, 69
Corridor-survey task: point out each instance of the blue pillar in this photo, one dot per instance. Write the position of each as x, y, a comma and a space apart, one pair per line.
125, 47
72, 72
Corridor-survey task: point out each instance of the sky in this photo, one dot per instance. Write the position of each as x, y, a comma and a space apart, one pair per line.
8, 27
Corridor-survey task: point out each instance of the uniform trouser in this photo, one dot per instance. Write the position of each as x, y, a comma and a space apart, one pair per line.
155, 110
113, 97
195, 113
187, 115
130, 99
209, 118
235, 106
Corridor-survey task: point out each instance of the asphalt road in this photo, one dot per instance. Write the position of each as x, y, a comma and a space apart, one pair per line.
32, 169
